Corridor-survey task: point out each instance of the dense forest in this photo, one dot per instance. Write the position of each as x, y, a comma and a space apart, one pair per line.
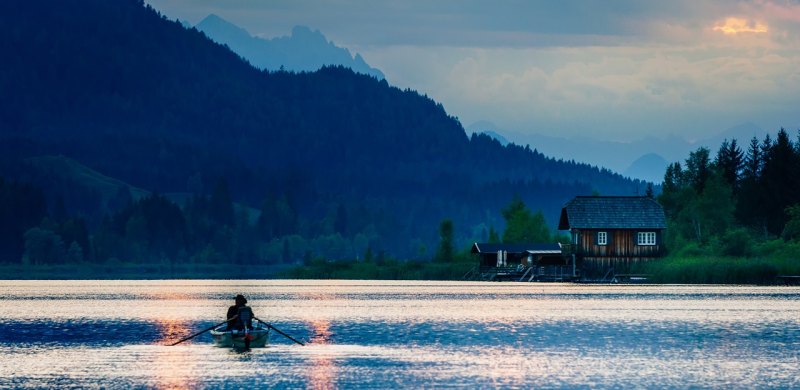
733, 217
324, 164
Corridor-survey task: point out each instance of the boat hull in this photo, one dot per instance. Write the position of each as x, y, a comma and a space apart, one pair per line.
236, 339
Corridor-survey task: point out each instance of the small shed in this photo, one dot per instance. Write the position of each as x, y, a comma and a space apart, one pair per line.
507, 255
524, 262
614, 232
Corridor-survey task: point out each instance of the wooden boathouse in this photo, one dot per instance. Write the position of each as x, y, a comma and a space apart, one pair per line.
611, 234
522, 262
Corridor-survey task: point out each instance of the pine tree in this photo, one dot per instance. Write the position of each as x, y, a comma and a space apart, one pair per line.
729, 162
780, 181
750, 199
446, 246
698, 169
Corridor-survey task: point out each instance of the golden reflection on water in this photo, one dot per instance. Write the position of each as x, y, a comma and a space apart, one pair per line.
173, 367
175, 371
323, 369
170, 330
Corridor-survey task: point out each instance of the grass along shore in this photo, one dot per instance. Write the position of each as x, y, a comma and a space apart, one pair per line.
720, 270
130, 271
670, 270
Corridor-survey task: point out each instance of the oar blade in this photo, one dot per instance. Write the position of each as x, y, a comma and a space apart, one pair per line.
279, 331
198, 333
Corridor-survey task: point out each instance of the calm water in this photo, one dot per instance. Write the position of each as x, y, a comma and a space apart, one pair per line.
377, 334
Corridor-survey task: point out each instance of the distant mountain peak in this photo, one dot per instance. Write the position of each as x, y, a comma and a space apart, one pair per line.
305, 50
304, 31
650, 167
499, 138
214, 20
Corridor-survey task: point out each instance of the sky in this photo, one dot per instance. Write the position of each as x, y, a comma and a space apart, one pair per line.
612, 70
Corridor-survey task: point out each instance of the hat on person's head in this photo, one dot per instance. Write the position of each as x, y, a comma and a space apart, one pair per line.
241, 298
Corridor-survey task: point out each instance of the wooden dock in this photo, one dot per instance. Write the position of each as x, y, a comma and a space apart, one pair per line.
522, 274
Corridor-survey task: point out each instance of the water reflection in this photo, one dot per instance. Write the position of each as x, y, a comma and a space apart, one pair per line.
323, 369
175, 368
171, 330
320, 331
402, 334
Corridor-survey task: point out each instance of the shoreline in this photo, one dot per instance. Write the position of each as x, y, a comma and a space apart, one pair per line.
139, 271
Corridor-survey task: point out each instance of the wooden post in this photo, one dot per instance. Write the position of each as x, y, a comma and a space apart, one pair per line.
573, 266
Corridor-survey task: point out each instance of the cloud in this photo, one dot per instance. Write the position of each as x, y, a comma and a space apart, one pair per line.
733, 26
620, 92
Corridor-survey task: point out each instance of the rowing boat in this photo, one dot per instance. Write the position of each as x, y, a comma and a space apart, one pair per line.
259, 337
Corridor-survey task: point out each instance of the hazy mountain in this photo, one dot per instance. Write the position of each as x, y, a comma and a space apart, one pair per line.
650, 167
629, 158
486, 127
303, 51
742, 133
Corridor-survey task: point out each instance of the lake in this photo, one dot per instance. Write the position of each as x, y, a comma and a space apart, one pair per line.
385, 334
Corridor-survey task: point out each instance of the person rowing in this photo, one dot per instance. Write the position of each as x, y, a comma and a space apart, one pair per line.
240, 316
238, 330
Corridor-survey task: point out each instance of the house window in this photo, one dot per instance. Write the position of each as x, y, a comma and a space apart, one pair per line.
602, 238
647, 238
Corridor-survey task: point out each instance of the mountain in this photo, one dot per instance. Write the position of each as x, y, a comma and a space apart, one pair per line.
488, 128
650, 167
742, 133
79, 187
303, 51
332, 158
622, 156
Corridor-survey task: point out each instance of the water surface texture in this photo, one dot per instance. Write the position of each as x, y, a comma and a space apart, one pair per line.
379, 334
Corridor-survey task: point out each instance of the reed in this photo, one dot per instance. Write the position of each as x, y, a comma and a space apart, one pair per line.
721, 270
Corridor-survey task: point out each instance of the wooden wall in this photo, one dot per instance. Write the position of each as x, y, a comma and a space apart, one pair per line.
621, 244
622, 253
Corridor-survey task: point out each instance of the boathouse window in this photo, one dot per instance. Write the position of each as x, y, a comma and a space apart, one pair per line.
647, 238
602, 238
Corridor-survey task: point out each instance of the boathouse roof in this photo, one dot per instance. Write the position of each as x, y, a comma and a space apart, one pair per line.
534, 249
612, 212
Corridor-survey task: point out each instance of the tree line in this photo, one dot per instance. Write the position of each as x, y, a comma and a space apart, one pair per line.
204, 229
211, 229
731, 202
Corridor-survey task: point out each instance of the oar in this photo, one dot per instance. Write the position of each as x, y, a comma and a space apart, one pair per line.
278, 330
201, 332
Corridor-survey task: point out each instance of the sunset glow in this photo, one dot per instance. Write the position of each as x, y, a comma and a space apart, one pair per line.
733, 26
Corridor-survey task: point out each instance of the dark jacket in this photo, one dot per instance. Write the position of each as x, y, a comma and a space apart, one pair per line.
238, 323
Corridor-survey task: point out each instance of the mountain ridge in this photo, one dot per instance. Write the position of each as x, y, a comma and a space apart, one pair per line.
305, 50
621, 156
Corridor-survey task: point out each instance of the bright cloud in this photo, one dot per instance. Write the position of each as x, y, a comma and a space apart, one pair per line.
733, 26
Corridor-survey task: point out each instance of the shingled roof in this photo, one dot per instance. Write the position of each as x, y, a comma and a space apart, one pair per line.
612, 212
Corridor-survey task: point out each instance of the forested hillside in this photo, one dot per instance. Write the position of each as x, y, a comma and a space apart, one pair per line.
336, 162
728, 202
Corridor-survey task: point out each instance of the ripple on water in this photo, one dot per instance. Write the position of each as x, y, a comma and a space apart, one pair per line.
394, 334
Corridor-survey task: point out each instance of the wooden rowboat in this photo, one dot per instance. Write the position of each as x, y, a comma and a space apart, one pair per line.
259, 337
